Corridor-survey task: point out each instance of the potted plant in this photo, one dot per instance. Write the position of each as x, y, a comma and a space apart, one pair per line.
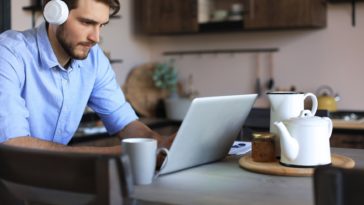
165, 76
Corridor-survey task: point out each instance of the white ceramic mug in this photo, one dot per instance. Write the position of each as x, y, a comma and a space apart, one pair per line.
143, 154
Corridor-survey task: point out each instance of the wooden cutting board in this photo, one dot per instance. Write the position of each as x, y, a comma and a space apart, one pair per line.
140, 91
274, 168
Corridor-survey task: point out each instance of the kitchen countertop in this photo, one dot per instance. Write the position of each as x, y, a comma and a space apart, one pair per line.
258, 120
348, 119
348, 124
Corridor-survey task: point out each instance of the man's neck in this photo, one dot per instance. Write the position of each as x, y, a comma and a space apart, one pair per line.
62, 57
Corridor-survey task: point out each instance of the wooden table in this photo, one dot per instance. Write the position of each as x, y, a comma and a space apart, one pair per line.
224, 182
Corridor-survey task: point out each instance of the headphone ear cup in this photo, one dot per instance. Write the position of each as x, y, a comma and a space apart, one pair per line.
56, 12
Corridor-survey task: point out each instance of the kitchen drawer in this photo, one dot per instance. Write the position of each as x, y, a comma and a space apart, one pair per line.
347, 140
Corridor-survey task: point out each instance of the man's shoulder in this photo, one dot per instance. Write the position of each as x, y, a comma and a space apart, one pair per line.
97, 56
16, 40
96, 51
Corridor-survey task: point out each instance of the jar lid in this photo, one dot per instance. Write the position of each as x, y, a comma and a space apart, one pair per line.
263, 135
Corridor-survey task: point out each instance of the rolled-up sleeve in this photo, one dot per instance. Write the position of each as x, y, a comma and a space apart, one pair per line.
13, 112
108, 101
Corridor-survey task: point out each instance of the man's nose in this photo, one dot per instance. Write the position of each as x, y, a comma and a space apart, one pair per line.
94, 35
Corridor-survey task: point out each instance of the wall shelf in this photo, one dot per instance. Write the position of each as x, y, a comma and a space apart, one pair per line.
113, 61
34, 8
224, 51
116, 17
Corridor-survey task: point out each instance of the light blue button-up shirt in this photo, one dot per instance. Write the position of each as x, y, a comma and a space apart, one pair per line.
39, 98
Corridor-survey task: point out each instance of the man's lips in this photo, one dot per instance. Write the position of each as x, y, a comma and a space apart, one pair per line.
88, 45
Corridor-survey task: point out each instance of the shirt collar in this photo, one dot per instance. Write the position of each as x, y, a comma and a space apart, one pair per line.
47, 56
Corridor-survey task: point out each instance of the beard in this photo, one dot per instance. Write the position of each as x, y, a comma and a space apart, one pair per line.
69, 47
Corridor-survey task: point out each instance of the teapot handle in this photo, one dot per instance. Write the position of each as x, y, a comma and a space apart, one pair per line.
314, 102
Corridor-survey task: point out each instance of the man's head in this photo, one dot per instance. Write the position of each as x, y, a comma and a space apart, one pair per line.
75, 37
72, 4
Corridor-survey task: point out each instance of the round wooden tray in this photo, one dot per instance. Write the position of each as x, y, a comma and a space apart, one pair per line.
274, 168
140, 91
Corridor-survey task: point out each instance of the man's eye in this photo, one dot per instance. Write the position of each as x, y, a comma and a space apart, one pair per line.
86, 23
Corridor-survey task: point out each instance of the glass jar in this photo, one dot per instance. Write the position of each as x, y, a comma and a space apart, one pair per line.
263, 149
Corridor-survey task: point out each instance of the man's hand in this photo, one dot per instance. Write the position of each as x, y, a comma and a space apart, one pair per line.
166, 143
139, 129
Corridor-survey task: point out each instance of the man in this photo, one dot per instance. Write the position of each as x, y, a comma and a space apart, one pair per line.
49, 74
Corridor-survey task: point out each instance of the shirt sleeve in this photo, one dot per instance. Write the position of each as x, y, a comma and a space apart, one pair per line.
13, 112
108, 100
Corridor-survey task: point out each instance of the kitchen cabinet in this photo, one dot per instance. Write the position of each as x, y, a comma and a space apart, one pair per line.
348, 129
282, 14
167, 16
179, 17
4, 15
347, 139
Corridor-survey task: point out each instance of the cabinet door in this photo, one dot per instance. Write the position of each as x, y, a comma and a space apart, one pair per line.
279, 14
4, 15
169, 16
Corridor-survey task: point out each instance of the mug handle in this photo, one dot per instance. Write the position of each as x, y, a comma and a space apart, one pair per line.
330, 126
314, 102
159, 150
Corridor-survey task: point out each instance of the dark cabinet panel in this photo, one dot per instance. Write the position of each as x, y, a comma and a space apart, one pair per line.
168, 16
347, 139
280, 14
5, 15
181, 16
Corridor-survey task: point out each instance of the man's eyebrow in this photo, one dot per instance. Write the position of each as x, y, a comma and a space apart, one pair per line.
90, 21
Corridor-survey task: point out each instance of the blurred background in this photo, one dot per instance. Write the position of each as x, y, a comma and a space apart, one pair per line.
327, 49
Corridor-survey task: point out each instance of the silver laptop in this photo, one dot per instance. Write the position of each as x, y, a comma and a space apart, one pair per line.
208, 131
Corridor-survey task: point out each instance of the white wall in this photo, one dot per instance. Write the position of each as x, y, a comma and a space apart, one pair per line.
307, 58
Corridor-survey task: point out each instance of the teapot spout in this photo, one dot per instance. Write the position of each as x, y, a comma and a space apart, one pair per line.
289, 145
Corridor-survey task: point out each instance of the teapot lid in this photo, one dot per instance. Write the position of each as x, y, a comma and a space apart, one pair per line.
307, 119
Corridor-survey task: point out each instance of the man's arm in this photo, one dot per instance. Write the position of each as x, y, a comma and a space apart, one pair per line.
133, 129
32, 142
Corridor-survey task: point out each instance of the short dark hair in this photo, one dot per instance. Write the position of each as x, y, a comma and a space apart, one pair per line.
72, 4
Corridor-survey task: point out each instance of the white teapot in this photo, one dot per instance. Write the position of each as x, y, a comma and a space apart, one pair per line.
285, 105
305, 140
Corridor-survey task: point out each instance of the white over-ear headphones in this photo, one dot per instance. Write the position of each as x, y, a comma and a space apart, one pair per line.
56, 12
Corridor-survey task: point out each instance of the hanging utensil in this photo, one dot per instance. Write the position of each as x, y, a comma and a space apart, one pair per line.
353, 9
270, 82
257, 70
